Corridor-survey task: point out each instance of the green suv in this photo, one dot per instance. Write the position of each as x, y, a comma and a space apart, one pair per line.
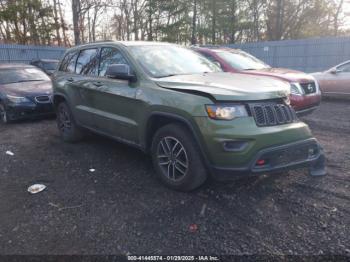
193, 119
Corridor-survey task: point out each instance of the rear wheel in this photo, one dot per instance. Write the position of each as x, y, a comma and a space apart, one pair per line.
66, 124
176, 158
3, 115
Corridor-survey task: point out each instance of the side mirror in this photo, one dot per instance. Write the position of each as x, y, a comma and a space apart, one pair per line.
120, 71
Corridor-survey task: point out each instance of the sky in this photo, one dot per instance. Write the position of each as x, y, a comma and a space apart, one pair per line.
346, 11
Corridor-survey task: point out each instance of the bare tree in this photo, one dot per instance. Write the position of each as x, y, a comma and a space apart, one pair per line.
336, 17
76, 9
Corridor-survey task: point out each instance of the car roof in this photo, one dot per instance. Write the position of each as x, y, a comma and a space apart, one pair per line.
218, 49
45, 60
15, 65
123, 43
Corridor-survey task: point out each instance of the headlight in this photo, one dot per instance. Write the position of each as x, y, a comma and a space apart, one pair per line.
296, 89
18, 99
318, 90
226, 112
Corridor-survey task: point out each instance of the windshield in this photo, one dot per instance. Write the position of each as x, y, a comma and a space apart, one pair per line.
17, 75
168, 60
242, 60
50, 65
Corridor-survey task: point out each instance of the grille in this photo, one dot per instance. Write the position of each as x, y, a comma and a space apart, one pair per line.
43, 99
309, 88
270, 114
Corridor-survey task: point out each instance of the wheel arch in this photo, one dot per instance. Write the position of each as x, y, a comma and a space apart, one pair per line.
58, 98
159, 119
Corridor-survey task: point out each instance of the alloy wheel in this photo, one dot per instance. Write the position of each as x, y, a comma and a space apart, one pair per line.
172, 158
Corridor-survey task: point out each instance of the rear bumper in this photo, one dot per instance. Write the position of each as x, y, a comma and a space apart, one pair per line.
306, 153
19, 112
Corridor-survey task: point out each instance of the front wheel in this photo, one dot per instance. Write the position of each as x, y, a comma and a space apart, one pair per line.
176, 158
3, 115
66, 124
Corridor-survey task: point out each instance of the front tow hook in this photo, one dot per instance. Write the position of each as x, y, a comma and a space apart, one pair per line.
318, 168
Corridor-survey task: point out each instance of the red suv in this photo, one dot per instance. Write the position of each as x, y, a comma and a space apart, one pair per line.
305, 93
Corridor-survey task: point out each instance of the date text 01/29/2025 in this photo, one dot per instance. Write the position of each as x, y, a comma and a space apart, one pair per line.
173, 258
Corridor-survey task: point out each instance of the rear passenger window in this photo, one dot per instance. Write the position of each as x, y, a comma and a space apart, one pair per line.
110, 56
68, 62
87, 63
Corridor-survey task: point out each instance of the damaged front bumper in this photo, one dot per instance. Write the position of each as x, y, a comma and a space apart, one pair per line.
306, 153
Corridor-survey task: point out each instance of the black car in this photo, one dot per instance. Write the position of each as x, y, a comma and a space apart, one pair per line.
25, 92
47, 65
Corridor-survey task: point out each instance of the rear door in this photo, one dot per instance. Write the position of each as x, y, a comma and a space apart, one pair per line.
81, 71
65, 81
86, 84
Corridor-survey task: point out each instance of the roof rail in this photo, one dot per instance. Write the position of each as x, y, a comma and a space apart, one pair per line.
101, 41
98, 41
210, 46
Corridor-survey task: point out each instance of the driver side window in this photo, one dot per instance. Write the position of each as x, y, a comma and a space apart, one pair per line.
110, 55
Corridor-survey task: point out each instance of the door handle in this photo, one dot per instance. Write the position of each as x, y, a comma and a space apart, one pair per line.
98, 84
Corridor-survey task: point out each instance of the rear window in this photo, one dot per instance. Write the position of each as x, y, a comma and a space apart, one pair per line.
87, 63
68, 62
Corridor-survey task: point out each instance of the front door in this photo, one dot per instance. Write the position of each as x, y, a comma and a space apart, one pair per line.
338, 82
114, 101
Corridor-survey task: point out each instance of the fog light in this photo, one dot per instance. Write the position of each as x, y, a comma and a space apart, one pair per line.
235, 145
261, 162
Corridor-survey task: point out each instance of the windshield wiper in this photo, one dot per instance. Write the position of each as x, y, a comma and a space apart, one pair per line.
169, 75
29, 80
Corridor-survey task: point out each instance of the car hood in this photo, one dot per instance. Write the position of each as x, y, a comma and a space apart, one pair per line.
227, 86
283, 74
28, 89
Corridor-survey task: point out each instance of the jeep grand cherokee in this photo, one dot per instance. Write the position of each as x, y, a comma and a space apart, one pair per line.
178, 106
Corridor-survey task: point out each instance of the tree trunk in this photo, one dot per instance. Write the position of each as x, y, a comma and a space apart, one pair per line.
150, 20
94, 24
136, 18
194, 24
89, 26
63, 25
336, 17
57, 25
76, 15
233, 21
279, 19
213, 27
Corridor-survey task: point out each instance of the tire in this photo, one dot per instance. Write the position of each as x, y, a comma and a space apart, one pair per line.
3, 115
183, 169
69, 130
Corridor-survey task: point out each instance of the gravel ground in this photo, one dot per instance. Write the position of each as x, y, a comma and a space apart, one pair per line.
121, 208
